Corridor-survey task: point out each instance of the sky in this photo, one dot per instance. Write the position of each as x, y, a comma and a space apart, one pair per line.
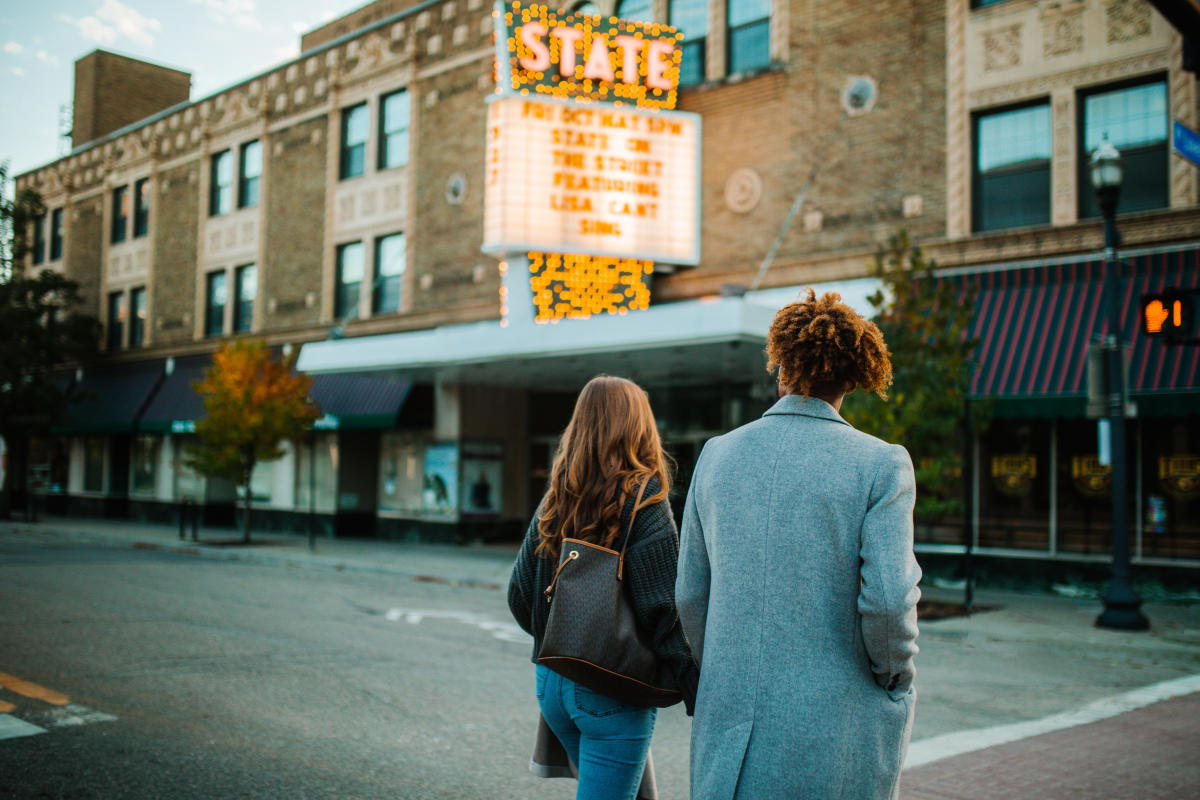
220, 42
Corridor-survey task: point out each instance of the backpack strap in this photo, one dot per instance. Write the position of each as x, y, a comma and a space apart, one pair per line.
629, 530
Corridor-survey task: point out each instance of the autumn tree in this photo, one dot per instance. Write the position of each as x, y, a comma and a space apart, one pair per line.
253, 403
44, 329
926, 323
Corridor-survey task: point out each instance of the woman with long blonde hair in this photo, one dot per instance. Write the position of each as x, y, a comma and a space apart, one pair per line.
609, 453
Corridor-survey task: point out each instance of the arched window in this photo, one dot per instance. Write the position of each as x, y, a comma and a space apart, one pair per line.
635, 10
690, 17
749, 35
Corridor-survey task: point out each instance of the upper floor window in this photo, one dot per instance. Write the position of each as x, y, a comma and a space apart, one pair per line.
1135, 120
214, 303
586, 7
137, 317
635, 10
982, 3
116, 319
691, 17
39, 238
56, 234
141, 208
354, 141
220, 196
1011, 173
120, 214
393, 129
390, 261
245, 289
749, 35
349, 280
249, 172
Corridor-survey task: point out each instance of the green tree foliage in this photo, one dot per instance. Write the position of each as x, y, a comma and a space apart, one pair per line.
253, 403
44, 330
926, 325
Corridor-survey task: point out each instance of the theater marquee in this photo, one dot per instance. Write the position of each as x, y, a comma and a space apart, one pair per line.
617, 181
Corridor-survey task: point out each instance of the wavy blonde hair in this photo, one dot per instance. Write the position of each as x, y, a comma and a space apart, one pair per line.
610, 447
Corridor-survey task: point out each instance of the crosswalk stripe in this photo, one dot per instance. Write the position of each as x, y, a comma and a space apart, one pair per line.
12, 728
32, 690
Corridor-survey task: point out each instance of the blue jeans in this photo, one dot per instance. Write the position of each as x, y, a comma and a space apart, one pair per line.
606, 739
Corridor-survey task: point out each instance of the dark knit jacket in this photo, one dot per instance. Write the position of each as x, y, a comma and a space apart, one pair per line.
650, 563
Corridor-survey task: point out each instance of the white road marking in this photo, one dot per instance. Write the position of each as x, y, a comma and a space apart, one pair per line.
70, 716
504, 631
952, 744
12, 728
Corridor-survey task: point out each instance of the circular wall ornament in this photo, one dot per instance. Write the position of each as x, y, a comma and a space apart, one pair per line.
456, 189
743, 190
859, 95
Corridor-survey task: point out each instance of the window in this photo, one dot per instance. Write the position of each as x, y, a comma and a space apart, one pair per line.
249, 170
93, 464
120, 214
635, 10
56, 234
214, 304
354, 141
390, 260
116, 319
690, 17
393, 130
137, 317
1134, 118
349, 279
749, 35
141, 208
145, 464
1011, 172
245, 288
220, 199
586, 7
39, 238
982, 3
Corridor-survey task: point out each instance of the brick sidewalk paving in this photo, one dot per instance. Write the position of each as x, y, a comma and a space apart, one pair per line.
1151, 753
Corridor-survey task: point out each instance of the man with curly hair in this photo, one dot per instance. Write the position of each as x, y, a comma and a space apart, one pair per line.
797, 584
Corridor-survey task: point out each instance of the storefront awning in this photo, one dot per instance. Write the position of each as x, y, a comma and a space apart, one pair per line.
355, 402
109, 399
175, 407
1035, 324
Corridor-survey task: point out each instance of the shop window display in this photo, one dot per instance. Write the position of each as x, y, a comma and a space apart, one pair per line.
316, 473
1014, 485
1170, 480
401, 474
145, 464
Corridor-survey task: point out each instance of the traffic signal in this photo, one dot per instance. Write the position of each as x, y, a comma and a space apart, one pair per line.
1172, 314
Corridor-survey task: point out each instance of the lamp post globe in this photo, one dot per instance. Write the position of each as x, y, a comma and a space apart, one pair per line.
1122, 606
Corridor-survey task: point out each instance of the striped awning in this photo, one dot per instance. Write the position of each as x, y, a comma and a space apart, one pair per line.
1035, 323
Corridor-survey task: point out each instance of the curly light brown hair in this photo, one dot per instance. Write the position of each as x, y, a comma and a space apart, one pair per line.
822, 347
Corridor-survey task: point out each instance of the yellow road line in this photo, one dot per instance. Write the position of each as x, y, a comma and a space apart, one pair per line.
6, 707
32, 690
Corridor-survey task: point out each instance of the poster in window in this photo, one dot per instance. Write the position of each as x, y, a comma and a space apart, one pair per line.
440, 484
482, 479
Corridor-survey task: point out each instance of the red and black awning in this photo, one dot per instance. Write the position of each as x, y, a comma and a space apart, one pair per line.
1034, 324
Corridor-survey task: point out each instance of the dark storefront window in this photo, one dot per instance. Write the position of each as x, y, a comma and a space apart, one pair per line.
220, 198
93, 464
116, 319
145, 464
249, 172
1085, 489
1012, 168
691, 17
141, 208
393, 130
354, 141
120, 214
245, 289
214, 304
56, 234
349, 280
137, 317
1014, 485
1134, 119
390, 259
749, 35
1170, 488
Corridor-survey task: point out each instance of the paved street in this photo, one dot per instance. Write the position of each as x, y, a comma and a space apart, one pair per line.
387, 670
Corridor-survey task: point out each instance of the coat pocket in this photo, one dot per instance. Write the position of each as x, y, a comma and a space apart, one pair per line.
717, 761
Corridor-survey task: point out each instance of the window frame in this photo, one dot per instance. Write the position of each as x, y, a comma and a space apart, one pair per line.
244, 324
119, 229
377, 285
115, 333
345, 150
385, 136
217, 191
977, 177
56, 233
141, 210
137, 322
214, 320
248, 184
731, 30
38, 250
1083, 179
696, 45
343, 305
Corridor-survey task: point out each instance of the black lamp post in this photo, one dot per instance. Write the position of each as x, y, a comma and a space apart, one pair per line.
1121, 602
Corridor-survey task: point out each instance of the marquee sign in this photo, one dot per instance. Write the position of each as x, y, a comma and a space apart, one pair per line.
564, 177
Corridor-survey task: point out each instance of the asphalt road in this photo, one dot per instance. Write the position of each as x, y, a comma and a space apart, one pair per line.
234, 680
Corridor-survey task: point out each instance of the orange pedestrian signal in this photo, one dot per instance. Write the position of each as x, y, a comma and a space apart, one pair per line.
1154, 315
1172, 314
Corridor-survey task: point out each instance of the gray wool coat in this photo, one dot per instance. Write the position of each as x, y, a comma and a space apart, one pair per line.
797, 588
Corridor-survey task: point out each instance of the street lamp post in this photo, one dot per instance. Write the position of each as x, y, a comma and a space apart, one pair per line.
1121, 602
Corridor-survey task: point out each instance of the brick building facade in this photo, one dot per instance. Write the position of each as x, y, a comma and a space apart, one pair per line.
335, 203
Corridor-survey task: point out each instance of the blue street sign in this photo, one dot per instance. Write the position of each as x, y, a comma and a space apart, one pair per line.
1186, 142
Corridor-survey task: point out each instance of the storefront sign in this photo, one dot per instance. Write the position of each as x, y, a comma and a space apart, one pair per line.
596, 180
1091, 478
1014, 474
593, 57
1180, 475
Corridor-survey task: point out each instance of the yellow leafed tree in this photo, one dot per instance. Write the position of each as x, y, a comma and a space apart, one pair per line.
253, 403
